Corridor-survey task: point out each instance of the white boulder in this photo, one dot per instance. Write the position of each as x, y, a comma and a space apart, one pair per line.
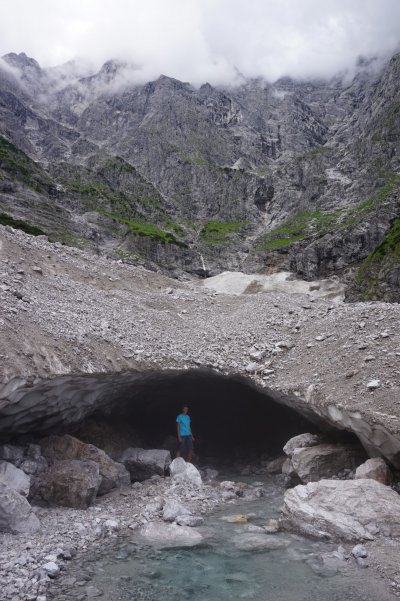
181, 471
352, 510
170, 535
14, 478
16, 515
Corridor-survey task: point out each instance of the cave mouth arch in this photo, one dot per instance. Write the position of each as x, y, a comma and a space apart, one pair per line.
231, 415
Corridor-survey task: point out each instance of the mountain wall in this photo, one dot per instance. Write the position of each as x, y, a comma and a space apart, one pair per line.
292, 175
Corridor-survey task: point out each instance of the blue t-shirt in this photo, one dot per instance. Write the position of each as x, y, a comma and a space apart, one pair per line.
184, 424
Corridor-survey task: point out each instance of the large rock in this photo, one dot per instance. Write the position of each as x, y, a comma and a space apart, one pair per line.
69, 483
16, 515
325, 460
14, 478
144, 463
12, 454
375, 468
171, 535
173, 509
302, 441
181, 471
352, 510
59, 448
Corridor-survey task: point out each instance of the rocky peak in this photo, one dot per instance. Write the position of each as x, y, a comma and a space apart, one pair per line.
21, 61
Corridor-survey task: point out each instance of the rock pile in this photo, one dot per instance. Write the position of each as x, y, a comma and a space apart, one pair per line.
344, 497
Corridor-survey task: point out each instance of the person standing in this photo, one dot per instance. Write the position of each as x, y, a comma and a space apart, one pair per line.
185, 435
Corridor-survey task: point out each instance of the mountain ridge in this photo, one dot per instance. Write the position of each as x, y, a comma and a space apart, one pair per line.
298, 175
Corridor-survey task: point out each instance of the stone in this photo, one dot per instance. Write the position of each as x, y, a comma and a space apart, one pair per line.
16, 515
189, 520
302, 441
145, 463
374, 384
12, 454
34, 466
51, 569
252, 367
57, 448
359, 551
170, 535
375, 468
111, 525
255, 541
236, 519
287, 468
181, 471
272, 526
14, 478
325, 460
69, 483
350, 510
173, 509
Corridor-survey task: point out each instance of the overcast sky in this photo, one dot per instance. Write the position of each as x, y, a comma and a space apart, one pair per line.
204, 40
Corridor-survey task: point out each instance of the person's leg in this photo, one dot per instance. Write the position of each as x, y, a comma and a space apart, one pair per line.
190, 450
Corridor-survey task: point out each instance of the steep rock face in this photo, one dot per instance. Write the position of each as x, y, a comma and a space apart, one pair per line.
300, 175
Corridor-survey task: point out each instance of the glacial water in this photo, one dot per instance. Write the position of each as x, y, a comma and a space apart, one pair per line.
301, 570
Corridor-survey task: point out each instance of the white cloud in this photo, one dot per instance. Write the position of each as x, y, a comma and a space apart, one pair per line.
205, 40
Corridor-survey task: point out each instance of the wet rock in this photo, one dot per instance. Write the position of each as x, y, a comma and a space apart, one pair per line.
181, 471
325, 460
375, 468
336, 509
57, 448
16, 515
171, 535
302, 441
69, 483
189, 520
145, 463
174, 509
14, 478
272, 526
255, 541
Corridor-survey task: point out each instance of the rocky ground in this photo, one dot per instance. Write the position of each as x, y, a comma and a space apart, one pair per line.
85, 314
25, 560
68, 312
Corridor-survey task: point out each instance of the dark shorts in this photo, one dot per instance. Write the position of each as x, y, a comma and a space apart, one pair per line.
186, 444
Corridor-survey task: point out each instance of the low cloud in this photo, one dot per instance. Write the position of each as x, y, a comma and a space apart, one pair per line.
205, 40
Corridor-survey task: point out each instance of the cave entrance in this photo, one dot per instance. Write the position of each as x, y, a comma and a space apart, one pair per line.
232, 418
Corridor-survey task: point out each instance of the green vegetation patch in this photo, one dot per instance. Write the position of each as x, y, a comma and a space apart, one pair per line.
383, 258
147, 230
307, 224
19, 224
218, 232
196, 160
19, 167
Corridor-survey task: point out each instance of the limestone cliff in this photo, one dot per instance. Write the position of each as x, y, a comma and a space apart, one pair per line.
299, 175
